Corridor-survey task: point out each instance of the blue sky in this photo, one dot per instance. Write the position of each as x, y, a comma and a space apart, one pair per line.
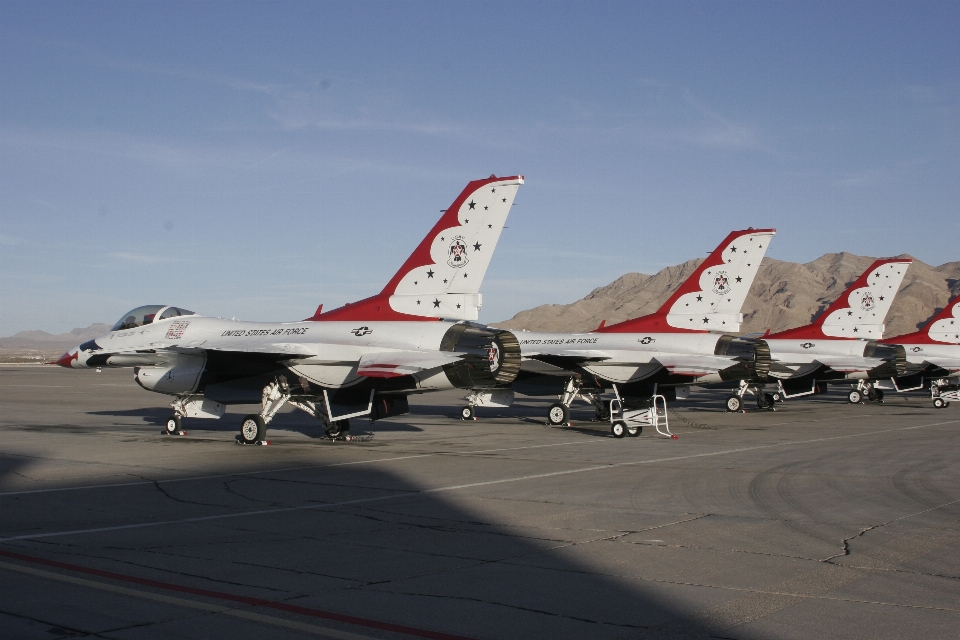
257, 159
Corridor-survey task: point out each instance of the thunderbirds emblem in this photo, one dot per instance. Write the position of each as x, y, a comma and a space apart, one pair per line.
457, 253
866, 301
720, 284
494, 355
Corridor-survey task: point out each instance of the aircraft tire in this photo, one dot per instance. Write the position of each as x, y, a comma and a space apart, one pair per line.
880, 395
734, 403
173, 425
253, 429
337, 428
855, 397
618, 429
466, 413
557, 414
603, 411
940, 403
764, 401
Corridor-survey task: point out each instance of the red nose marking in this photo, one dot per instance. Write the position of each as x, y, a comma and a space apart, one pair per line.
67, 358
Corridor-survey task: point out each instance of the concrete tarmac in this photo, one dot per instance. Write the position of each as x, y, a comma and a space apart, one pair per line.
822, 519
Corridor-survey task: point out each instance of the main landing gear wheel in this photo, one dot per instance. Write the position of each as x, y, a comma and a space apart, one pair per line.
879, 397
603, 412
466, 413
172, 426
253, 429
618, 429
634, 431
558, 414
337, 428
940, 403
765, 401
734, 403
855, 397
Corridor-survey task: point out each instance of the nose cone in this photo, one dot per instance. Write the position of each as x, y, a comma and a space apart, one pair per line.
67, 359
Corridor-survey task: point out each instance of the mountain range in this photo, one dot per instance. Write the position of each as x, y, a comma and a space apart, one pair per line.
784, 295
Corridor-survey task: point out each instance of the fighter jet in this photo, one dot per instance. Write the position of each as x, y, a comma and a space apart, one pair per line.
362, 359
687, 341
841, 345
933, 358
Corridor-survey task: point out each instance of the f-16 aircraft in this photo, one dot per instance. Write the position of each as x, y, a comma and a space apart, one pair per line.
933, 358
842, 344
362, 359
684, 342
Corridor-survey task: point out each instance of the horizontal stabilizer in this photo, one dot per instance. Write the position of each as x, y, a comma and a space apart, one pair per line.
393, 364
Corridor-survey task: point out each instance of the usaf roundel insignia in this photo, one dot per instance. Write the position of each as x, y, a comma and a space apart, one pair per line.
866, 301
721, 284
457, 254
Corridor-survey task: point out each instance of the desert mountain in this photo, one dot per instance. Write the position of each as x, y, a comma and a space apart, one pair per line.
62, 341
784, 295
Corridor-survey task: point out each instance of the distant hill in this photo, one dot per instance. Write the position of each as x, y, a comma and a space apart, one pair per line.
46, 341
784, 295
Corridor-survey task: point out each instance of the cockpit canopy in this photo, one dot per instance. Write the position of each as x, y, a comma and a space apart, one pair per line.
147, 314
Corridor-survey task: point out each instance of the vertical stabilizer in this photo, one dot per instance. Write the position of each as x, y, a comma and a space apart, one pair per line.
710, 299
859, 312
442, 277
945, 327
862, 309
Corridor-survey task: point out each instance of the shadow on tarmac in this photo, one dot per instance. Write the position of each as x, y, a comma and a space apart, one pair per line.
395, 554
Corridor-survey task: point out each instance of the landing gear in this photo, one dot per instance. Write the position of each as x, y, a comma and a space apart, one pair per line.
855, 397
337, 428
602, 410
253, 430
558, 414
765, 401
618, 429
173, 426
467, 413
734, 403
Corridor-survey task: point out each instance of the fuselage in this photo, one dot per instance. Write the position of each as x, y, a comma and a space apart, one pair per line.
849, 358
630, 357
186, 354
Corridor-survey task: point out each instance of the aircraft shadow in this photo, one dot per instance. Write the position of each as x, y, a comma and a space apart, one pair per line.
514, 565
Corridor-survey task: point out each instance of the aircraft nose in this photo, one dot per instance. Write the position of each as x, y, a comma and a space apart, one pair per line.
67, 359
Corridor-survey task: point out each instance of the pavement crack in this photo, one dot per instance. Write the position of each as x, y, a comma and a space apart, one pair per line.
846, 541
517, 607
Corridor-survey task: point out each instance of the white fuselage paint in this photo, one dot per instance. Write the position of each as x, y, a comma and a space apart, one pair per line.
629, 357
325, 353
943, 355
842, 355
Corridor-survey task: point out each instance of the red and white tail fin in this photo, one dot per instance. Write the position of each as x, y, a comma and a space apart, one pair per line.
945, 326
441, 278
859, 312
711, 297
